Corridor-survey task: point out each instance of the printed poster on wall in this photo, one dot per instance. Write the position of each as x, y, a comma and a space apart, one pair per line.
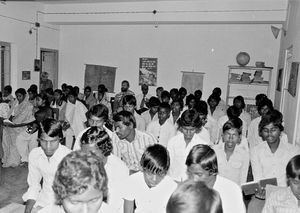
148, 71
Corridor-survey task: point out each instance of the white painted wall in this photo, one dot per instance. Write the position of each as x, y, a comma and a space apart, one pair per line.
23, 44
203, 48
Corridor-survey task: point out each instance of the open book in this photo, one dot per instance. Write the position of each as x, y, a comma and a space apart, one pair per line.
249, 188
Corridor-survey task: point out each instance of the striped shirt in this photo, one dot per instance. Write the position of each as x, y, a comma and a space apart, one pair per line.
131, 152
281, 201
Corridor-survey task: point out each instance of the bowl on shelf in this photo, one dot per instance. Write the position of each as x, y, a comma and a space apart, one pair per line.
260, 64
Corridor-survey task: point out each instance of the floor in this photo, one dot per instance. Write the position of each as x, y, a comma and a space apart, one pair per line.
13, 185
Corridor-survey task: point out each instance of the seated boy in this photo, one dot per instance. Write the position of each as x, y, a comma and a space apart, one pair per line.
233, 156
202, 165
162, 129
150, 189
98, 140
42, 164
286, 199
80, 185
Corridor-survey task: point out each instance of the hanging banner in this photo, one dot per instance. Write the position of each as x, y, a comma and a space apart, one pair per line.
148, 71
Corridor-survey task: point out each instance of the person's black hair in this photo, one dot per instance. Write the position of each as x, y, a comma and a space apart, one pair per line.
155, 160
178, 100
201, 107
174, 90
265, 102
73, 93
217, 91
259, 98
165, 94
125, 117
189, 98
241, 99
20, 91
233, 123
64, 85
194, 197
51, 127
99, 111
49, 91
190, 118
214, 97
125, 81
76, 89
273, 116
293, 168
153, 101
44, 98
129, 99
165, 106
102, 88
87, 88
205, 156
198, 93
59, 91
233, 112
8, 88
159, 88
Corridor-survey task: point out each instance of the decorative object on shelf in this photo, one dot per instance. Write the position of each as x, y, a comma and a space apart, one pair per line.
258, 77
245, 78
242, 58
260, 64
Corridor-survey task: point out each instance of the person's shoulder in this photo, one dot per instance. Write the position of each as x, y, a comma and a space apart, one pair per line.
222, 182
117, 162
143, 134
35, 152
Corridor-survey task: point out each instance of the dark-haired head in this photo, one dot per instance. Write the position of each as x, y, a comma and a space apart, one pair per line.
189, 118
239, 102
213, 100
194, 197
264, 106
272, 117
127, 118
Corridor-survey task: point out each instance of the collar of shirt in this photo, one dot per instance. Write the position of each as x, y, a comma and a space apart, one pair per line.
58, 154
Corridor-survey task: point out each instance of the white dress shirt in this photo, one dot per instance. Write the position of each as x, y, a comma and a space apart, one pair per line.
117, 172
140, 122
266, 164
131, 152
204, 134
231, 195
149, 200
178, 151
147, 117
236, 168
162, 133
39, 166
212, 126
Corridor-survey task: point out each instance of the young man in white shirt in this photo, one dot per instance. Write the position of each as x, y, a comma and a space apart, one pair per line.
98, 140
150, 188
97, 116
233, 156
43, 162
142, 100
180, 145
162, 129
129, 104
80, 185
75, 118
151, 114
129, 143
202, 165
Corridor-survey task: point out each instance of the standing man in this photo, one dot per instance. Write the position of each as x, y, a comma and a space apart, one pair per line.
143, 99
119, 97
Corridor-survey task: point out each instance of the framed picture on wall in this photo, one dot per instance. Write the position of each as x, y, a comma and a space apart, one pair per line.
292, 87
148, 71
25, 75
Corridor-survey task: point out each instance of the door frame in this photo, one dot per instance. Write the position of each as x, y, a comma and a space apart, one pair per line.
55, 83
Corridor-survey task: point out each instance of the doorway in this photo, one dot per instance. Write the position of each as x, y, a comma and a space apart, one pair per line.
4, 64
49, 64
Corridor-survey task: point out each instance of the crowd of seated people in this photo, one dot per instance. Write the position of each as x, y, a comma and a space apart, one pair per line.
169, 152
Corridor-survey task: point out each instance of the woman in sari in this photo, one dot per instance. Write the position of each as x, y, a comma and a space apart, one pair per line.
20, 115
